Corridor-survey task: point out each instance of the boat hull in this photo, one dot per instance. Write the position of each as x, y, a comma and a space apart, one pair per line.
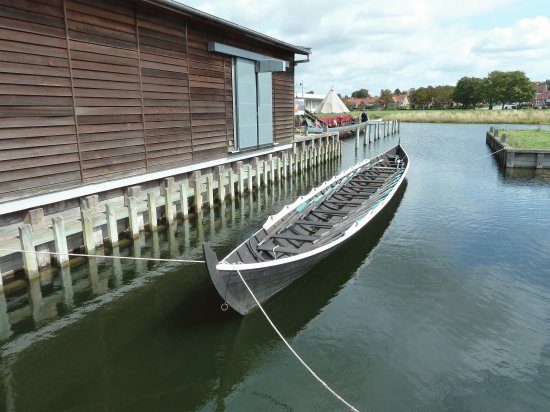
267, 278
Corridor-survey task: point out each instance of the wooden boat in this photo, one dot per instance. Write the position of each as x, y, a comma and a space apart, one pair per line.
304, 232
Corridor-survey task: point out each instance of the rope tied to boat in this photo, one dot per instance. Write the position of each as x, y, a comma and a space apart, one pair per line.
323, 383
47, 252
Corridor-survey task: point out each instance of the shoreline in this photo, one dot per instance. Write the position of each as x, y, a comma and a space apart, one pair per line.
477, 116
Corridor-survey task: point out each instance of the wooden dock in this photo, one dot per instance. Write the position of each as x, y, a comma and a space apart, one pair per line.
96, 222
509, 157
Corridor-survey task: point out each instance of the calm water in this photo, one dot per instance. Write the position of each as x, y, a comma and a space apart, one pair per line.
443, 304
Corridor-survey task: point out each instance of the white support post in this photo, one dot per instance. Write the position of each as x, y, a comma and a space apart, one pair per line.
60, 241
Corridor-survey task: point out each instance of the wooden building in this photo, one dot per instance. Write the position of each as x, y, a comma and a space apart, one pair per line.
97, 95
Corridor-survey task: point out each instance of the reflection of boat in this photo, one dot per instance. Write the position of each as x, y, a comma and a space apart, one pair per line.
303, 233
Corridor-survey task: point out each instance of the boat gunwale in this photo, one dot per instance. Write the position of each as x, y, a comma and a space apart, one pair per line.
223, 265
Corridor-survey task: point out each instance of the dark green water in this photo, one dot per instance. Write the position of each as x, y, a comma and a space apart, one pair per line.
442, 304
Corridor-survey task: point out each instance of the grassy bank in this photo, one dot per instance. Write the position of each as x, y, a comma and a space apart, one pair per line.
464, 116
528, 139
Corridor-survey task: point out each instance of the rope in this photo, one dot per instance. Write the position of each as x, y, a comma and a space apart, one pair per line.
102, 256
292, 350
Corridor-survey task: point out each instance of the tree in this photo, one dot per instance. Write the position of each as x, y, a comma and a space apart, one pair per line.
360, 94
469, 91
508, 87
443, 96
421, 97
548, 83
386, 97
397, 91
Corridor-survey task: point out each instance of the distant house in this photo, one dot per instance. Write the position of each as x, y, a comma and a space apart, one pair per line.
542, 99
354, 103
401, 101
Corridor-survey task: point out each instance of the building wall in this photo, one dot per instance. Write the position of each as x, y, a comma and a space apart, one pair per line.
96, 90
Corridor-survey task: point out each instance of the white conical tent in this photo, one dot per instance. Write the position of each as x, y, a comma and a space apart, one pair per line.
332, 104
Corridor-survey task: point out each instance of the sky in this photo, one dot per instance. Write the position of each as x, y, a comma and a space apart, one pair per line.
399, 44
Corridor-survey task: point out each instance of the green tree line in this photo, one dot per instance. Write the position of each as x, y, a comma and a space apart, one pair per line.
498, 87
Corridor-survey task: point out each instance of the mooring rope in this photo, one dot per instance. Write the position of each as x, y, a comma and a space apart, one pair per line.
102, 256
292, 350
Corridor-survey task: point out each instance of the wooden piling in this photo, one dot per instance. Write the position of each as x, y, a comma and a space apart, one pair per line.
168, 204
88, 231
112, 229
60, 241
231, 177
249, 177
152, 210
197, 191
210, 191
133, 217
184, 198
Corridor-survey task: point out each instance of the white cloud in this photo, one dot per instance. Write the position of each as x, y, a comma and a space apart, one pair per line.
402, 43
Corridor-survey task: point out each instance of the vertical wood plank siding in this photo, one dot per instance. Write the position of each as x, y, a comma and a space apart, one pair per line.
94, 90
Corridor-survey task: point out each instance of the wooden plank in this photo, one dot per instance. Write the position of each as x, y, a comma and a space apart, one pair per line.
166, 102
101, 128
175, 88
35, 6
25, 90
91, 168
49, 181
99, 93
181, 68
103, 58
165, 117
31, 27
83, 120
103, 76
163, 74
110, 144
106, 136
167, 96
32, 49
103, 50
167, 124
24, 153
166, 110
35, 131
162, 52
102, 67
115, 110
152, 82
33, 69
13, 78
106, 154
35, 101
26, 142
30, 38
105, 84
17, 164
103, 40
113, 11
106, 102
183, 139
35, 111
112, 169
184, 132
38, 171
99, 21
